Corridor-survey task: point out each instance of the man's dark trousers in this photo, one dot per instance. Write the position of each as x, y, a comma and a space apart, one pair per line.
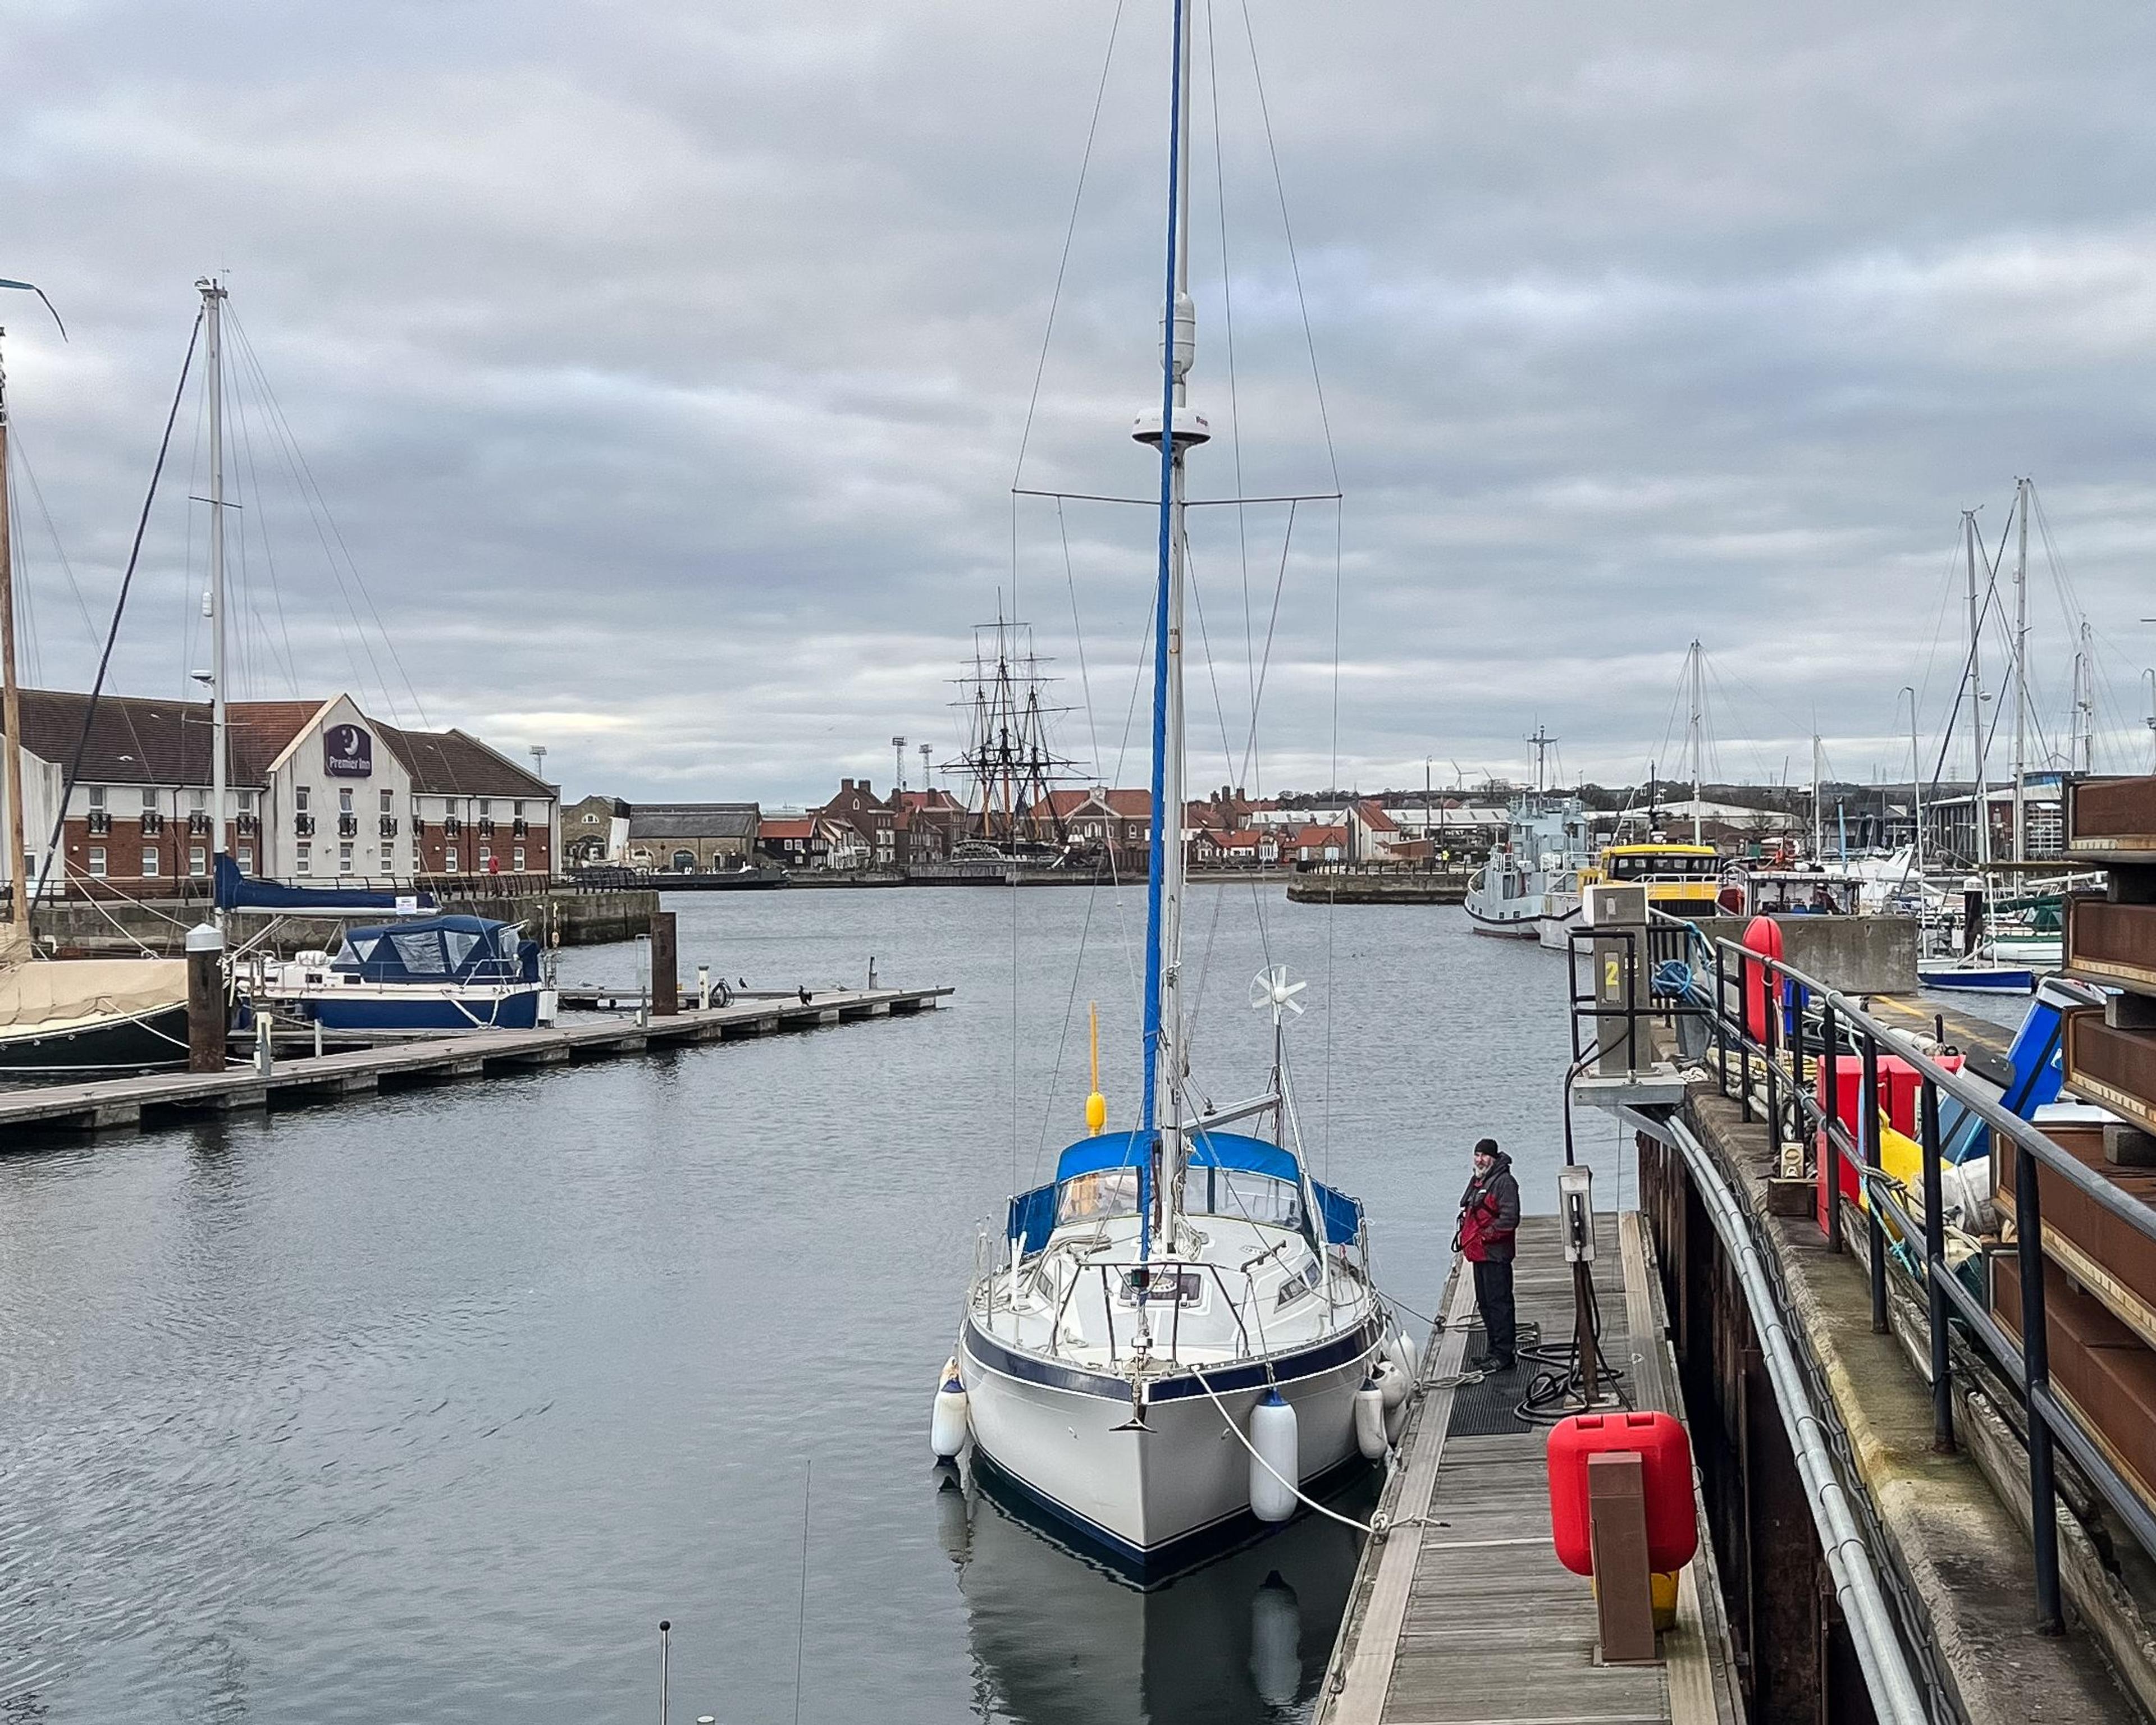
1493, 1299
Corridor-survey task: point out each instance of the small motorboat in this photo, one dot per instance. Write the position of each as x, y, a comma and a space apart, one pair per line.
435, 974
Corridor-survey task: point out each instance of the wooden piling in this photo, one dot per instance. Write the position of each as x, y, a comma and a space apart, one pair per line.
665, 966
206, 1007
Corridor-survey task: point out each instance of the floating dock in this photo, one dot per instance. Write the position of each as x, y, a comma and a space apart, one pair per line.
1461, 1615
115, 1104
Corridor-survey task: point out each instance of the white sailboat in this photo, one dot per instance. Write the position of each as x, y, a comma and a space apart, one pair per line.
1174, 1345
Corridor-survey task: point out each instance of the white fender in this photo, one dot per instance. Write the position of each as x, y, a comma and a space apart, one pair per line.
1370, 1421
1396, 1422
1401, 1352
1392, 1382
1273, 1438
948, 1421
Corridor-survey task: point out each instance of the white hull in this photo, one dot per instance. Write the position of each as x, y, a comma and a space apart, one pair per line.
1140, 1494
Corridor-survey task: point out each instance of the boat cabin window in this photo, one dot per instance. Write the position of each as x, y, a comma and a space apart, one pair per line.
1161, 1288
1237, 1192
1094, 1196
1663, 868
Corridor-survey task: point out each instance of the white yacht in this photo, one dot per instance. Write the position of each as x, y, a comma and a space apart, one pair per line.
1171, 1350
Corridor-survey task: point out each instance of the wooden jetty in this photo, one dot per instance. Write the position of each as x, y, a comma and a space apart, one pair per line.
1462, 1614
120, 1103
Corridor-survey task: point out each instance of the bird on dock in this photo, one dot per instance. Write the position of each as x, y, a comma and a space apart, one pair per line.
806, 997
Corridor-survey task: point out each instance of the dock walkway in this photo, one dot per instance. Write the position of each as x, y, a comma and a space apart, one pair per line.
1468, 1617
119, 1103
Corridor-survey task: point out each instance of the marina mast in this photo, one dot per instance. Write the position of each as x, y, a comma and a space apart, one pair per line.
1698, 721
212, 295
1176, 432
1980, 807
11, 699
2020, 669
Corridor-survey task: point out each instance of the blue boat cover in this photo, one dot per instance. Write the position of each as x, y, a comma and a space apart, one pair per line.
236, 892
1033, 1214
439, 949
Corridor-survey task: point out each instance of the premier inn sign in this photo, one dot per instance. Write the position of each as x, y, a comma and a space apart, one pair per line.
347, 752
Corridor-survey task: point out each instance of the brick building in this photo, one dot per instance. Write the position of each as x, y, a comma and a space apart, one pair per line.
691, 837
317, 789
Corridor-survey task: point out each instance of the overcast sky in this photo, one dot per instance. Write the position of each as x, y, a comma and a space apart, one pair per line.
663, 369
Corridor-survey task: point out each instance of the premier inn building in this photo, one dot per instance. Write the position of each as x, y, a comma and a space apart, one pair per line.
318, 789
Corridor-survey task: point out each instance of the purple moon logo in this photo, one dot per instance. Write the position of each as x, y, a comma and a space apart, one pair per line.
347, 752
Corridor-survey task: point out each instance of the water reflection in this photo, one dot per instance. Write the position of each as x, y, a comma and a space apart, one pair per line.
1057, 1637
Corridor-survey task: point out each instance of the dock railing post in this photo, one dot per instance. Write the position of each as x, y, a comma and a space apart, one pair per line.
1829, 1154
206, 1007
1720, 1021
703, 988
1771, 1058
1876, 1232
1744, 1036
2036, 1378
1935, 1273
265, 1042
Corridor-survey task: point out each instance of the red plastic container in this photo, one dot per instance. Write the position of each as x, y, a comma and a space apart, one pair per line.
1664, 1453
1900, 1084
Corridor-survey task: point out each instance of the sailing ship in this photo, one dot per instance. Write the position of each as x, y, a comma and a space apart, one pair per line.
1171, 1350
67, 1017
1013, 766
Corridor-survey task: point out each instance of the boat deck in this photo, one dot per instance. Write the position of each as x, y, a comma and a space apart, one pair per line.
1470, 1619
127, 1103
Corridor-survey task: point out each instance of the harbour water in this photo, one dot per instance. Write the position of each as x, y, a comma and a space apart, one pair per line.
430, 1408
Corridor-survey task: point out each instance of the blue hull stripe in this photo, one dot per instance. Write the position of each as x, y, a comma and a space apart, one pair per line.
1324, 1356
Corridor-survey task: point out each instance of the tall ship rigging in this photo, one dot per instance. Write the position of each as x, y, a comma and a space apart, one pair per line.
1012, 767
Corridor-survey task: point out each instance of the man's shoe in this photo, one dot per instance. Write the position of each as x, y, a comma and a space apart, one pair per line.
1499, 1364
1483, 1362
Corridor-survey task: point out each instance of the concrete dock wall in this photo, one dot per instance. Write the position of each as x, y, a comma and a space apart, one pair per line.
583, 919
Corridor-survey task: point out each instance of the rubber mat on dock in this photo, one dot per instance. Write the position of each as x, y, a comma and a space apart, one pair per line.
1485, 1408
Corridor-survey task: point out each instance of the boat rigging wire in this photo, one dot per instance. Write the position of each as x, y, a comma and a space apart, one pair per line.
119, 609
1069, 232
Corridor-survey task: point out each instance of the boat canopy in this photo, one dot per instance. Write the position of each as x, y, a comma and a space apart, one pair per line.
1033, 1214
236, 892
441, 949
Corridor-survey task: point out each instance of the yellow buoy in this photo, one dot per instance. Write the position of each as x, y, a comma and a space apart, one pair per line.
1096, 1105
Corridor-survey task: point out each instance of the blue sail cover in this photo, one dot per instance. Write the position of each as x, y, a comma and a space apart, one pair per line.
1033, 1214
441, 949
236, 892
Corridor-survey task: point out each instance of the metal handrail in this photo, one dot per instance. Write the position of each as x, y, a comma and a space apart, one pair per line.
2026, 1366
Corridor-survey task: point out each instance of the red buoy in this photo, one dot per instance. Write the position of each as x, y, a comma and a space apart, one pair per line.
1762, 935
1664, 1453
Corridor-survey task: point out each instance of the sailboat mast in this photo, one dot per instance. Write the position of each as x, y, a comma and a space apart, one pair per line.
1164, 1025
1980, 805
11, 695
2021, 671
1819, 815
213, 294
1697, 719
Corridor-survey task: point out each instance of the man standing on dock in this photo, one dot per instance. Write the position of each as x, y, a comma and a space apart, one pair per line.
1489, 1218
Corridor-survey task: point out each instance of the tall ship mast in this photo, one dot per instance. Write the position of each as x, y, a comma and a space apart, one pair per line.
1012, 767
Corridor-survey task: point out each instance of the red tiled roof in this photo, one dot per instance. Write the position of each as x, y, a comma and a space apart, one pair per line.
787, 827
1373, 816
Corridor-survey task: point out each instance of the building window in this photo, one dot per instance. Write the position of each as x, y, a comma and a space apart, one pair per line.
344, 859
150, 861
198, 862
302, 857
388, 859
485, 855
247, 802
485, 807
419, 810
150, 802
198, 799
97, 796
516, 809
344, 800
246, 858
97, 862
301, 792
449, 860
388, 803
591, 820
516, 859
